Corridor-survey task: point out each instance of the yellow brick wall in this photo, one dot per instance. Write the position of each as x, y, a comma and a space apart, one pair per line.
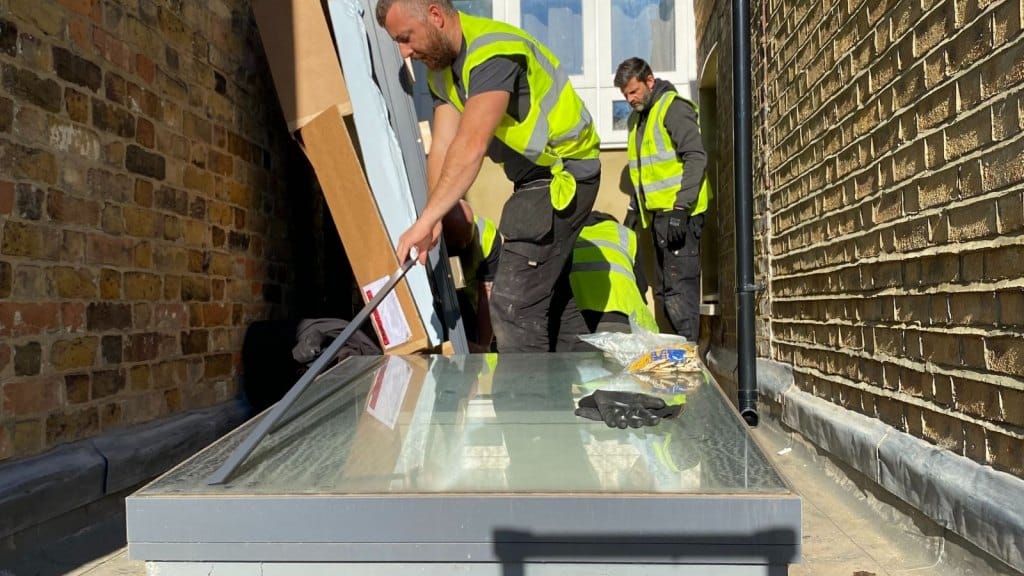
889, 208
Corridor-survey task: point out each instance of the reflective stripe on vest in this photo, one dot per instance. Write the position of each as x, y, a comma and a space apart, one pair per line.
602, 276
654, 168
486, 232
557, 126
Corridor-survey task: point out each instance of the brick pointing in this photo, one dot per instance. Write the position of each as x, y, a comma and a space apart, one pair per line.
889, 169
142, 166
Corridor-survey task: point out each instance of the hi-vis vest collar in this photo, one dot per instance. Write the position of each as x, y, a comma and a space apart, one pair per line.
557, 125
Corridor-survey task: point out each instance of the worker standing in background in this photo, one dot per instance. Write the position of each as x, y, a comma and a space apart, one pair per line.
606, 280
498, 91
666, 166
475, 241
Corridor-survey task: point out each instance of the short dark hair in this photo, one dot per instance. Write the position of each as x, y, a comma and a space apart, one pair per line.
419, 5
632, 68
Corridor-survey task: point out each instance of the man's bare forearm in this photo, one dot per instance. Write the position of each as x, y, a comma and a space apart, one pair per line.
461, 166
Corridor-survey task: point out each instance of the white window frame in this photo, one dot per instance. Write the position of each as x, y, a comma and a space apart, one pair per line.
595, 85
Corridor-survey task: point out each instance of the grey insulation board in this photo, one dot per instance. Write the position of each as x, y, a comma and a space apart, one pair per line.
397, 88
392, 154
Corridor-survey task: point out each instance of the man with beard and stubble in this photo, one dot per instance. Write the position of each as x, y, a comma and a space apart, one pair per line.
666, 166
501, 93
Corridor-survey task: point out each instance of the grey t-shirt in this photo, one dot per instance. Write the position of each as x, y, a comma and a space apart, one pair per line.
508, 74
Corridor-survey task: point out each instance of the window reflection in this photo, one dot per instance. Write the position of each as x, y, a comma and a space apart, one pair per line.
475, 7
620, 114
644, 28
558, 24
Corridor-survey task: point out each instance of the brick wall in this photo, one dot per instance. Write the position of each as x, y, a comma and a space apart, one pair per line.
144, 220
889, 161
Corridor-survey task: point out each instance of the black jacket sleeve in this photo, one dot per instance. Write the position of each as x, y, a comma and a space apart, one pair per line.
681, 123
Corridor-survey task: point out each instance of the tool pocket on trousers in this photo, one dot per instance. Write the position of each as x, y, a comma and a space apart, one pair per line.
682, 265
533, 254
528, 215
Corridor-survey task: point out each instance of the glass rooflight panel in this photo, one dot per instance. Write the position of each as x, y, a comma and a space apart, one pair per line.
644, 29
485, 425
558, 24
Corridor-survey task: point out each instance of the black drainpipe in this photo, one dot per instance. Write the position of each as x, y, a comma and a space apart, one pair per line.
747, 373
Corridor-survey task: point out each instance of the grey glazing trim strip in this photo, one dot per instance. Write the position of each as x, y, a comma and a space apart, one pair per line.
260, 431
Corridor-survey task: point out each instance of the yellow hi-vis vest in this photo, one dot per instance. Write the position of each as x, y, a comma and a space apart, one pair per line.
486, 232
557, 127
602, 276
655, 169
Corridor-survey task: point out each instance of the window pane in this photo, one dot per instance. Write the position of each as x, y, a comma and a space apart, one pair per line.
647, 29
620, 114
558, 24
475, 7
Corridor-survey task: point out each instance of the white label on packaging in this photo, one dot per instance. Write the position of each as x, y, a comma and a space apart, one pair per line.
390, 384
388, 317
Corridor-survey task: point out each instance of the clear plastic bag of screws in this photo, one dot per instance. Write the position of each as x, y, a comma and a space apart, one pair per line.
644, 352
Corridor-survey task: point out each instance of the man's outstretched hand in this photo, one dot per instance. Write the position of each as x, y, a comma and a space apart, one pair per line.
423, 236
625, 409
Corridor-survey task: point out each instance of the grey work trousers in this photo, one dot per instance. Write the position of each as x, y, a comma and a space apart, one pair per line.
677, 269
532, 308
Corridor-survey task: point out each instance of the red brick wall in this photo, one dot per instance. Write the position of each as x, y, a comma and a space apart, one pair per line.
144, 219
889, 181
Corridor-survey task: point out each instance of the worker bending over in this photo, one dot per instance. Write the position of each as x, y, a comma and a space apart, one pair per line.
666, 166
606, 280
498, 91
475, 241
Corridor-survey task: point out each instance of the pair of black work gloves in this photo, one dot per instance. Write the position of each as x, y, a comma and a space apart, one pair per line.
626, 409
675, 231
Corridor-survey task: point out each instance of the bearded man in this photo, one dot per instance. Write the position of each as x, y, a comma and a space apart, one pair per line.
499, 92
671, 194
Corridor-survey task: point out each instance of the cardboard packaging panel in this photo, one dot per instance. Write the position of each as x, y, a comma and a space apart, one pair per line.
315, 101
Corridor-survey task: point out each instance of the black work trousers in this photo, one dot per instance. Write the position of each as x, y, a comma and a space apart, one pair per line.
532, 308
677, 274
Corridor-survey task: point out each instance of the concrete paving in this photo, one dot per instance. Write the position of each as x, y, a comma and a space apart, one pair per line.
847, 531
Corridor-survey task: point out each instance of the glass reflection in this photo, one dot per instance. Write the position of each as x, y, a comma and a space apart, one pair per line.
480, 424
646, 29
558, 24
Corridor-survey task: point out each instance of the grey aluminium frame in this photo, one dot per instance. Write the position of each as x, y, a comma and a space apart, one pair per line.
684, 529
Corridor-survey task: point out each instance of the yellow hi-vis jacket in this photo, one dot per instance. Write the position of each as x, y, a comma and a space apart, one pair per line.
557, 127
602, 276
655, 168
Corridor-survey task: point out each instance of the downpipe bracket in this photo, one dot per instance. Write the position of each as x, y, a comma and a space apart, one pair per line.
751, 288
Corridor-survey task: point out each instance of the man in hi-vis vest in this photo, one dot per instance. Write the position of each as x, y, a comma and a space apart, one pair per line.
475, 241
607, 281
501, 93
666, 166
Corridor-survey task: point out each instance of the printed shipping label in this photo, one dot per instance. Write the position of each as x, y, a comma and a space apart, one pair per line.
388, 317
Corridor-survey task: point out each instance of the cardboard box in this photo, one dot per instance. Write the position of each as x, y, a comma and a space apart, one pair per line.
315, 101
